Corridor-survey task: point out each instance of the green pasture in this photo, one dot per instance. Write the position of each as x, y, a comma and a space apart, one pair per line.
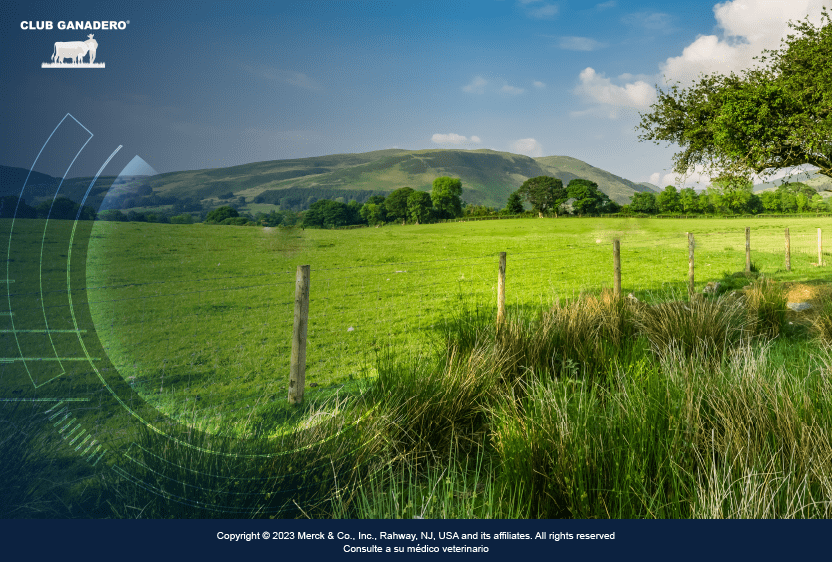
198, 318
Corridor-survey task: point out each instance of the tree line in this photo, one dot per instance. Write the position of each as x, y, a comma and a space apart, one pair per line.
729, 196
401, 205
61, 208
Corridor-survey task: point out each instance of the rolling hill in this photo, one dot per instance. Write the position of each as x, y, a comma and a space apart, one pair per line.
816, 181
488, 177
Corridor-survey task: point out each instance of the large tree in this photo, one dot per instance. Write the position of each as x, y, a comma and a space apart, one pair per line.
643, 202
777, 115
545, 193
396, 203
446, 197
668, 200
514, 204
419, 207
587, 198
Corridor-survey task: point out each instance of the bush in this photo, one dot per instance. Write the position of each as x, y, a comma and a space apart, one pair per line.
220, 214
238, 221
185, 218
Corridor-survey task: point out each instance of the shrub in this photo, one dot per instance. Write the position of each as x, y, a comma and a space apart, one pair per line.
185, 218
237, 221
220, 214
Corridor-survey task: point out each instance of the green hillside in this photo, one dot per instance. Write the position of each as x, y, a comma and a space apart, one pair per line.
488, 177
566, 168
818, 182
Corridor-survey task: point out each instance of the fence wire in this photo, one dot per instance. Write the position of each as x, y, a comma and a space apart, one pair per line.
218, 342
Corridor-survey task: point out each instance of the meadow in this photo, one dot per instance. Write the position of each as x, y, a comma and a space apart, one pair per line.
582, 405
198, 310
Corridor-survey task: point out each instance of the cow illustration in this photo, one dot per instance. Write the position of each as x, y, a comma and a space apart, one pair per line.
75, 50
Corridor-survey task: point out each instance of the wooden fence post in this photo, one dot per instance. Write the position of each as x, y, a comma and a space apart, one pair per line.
788, 251
820, 252
748, 249
616, 254
297, 368
690, 265
501, 290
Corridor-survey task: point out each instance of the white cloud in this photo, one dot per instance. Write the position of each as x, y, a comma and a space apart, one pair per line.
477, 86
285, 76
596, 87
748, 27
511, 90
539, 10
529, 147
580, 44
606, 5
538, 84
453, 138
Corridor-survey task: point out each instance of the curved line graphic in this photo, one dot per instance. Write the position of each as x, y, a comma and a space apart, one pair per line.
11, 234
43, 243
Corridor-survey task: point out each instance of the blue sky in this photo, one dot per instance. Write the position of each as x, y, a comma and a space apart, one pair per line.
213, 84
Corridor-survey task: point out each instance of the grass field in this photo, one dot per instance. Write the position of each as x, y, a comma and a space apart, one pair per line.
189, 311
408, 383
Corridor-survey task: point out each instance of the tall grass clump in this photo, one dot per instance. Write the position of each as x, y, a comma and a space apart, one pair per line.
463, 487
578, 338
764, 447
434, 404
766, 304
576, 450
822, 321
702, 329
746, 438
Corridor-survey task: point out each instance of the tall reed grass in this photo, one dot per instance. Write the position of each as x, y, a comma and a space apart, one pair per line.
598, 407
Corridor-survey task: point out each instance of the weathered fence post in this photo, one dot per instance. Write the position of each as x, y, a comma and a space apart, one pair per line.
820, 252
616, 254
690, 265
501, 290
748, 249
788, 251
297, 368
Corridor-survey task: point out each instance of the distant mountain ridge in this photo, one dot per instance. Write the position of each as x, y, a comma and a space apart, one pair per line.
816, 181
488, 177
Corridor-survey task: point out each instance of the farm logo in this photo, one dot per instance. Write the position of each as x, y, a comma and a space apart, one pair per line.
71, 54
75, 51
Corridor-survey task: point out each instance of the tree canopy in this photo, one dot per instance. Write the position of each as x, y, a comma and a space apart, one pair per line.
395, 205
774, 116
544, 193
221, 213
514, 204
446, 197
587, 198
419, 207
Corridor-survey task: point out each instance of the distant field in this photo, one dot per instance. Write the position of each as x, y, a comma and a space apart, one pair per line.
199, 317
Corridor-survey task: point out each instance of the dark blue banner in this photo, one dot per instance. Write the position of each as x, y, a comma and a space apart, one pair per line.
386, 539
